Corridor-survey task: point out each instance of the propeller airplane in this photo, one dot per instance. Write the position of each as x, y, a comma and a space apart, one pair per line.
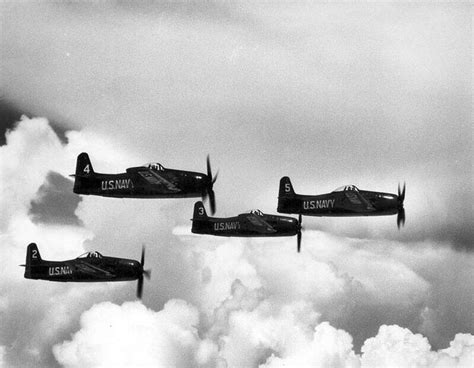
344, 201
89, 267
147, 181
251, 224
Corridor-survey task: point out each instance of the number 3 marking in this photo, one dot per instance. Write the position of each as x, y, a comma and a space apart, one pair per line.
201, 211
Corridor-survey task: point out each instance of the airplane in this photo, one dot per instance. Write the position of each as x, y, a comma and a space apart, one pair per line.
147, 181
251, 224
343, 201
89, 267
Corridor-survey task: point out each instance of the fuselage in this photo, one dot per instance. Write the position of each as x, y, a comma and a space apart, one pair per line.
338, 204
177, 184
239, 226
86, 270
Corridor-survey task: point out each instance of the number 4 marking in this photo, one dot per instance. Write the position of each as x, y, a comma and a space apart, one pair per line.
87, 170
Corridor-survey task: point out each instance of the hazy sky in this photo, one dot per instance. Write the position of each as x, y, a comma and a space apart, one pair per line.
370, 94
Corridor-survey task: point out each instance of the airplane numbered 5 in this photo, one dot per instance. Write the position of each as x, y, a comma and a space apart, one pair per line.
343, 201
147, 181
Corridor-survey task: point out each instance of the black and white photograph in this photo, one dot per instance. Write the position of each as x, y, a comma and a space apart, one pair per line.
236, 184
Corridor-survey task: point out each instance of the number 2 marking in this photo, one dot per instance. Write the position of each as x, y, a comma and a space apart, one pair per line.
34, 254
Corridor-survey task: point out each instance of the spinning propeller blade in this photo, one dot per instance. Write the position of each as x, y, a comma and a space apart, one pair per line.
298, 235
209, 190
147, 274
401, 210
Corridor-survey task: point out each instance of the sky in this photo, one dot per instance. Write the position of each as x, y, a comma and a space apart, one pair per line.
366, 93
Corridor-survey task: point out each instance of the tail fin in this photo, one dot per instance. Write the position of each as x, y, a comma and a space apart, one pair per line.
84, 172
199, 219
84, 166
199, 211
33, 258
286, 189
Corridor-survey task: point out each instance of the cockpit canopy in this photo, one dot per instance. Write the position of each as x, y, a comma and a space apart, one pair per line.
256, 212
351, 188
91, 255
154, 166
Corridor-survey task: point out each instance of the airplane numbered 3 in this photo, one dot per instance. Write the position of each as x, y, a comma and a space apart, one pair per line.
146, 181
251, 224
344, 201
89, 267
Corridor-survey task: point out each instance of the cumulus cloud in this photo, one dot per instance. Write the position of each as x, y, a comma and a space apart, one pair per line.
132, 335
329, 94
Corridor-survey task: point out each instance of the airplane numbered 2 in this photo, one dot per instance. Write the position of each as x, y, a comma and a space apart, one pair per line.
89, 267
344, 201
251, 224
146, 181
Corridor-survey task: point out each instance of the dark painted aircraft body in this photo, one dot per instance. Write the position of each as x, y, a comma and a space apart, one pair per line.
147, 181
344, 201
251, 224
90, 267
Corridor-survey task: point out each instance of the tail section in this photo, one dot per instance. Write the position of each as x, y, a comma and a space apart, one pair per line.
286, 195
199, 218
84, 172
286, 189
84, 166
33, 258
199, 212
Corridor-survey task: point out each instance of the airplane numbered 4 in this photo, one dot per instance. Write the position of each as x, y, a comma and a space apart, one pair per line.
344, 201
251, 224
146, 181
89, 267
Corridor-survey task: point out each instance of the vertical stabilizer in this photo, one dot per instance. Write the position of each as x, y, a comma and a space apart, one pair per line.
286, 195
33, 258
84, 172
84, 166
199, 218
286, 189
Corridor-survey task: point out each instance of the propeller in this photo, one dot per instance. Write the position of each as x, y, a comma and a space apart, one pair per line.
298, 235
147, 274
209, 190
401, 210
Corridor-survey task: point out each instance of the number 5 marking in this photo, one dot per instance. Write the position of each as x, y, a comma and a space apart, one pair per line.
287, 187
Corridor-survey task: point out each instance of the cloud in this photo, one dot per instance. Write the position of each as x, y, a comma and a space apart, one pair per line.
55, 203
132, 335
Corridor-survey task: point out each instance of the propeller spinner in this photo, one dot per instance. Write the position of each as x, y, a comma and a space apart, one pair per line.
401, 209
147, 274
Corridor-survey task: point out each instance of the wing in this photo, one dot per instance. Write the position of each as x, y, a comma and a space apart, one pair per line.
258, 224
358, 201
154, 178
94, 270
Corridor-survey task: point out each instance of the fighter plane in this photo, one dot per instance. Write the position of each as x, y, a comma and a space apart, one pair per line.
147, 181
344, 201
251, 224
89, 267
